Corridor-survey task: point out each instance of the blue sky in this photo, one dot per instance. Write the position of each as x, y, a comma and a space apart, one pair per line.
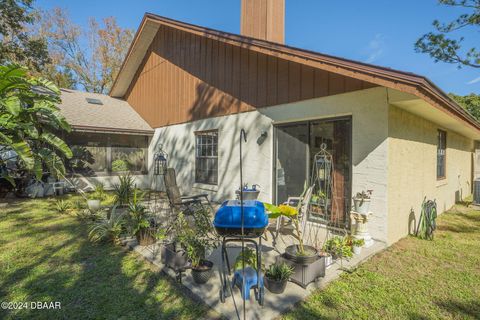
380, 32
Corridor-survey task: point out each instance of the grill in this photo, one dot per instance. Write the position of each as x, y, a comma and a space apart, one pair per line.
228, 219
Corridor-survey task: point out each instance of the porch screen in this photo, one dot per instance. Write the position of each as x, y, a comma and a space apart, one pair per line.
206, 157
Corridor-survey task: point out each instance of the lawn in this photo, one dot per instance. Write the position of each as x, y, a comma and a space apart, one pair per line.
46, 256
413, 279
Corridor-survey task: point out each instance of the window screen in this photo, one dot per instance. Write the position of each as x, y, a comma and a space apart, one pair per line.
206, 157
441, 153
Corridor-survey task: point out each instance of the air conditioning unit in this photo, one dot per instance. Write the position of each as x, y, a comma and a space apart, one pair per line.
476, 191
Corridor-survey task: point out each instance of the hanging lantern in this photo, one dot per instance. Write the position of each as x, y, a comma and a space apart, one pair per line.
160, 164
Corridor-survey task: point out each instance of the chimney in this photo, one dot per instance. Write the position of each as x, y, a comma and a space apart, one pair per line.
263, 19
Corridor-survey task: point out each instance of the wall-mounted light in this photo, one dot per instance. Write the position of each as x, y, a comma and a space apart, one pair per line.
263, 136
160, 163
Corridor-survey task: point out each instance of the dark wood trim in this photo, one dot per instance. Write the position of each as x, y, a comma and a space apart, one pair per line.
403, 81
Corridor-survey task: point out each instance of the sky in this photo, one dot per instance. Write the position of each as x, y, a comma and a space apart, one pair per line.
380, 32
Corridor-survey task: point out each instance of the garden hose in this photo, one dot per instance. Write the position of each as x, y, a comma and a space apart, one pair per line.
427, 222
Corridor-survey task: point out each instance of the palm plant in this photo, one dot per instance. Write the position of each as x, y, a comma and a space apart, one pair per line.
29, 123
107, 229
124, 189
62, 206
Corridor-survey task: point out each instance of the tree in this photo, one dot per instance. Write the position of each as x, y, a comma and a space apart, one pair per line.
29, 122
443, 48
17, 45
470, 102
92, 57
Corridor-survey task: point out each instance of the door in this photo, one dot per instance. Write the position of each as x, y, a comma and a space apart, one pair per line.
296, 146
291, 166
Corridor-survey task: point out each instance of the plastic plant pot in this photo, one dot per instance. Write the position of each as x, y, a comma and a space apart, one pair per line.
360, 206
310, 256
203, 273
93, 205
275, 286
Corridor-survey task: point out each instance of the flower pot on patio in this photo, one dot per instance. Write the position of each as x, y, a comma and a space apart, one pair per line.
93, 205
292, 253
203, 272
361, 205
275, 286
357, 249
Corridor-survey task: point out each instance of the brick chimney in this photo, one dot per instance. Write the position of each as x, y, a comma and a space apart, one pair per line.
263, 19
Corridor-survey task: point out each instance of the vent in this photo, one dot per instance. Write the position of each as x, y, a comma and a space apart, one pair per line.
94, 101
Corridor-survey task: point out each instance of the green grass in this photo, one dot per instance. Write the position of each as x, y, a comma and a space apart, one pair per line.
46, 256
413, 279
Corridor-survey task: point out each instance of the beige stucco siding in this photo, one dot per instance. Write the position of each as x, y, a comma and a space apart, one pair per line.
369, 112
412, 148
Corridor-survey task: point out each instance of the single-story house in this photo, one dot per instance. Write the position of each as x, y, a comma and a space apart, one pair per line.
390, 131
108, 138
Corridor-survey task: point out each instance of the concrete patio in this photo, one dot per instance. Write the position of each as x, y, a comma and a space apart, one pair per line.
275, 304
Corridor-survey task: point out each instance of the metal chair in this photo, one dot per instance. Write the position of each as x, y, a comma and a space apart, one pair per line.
302, 203
185, 203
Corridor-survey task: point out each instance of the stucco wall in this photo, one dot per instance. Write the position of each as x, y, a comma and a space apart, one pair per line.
369, 112
412, 160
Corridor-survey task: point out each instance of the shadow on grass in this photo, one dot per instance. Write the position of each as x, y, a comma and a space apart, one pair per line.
58, 263
467, 310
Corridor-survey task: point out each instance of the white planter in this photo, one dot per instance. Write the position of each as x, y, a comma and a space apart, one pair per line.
93, 205
357, 250
361, 207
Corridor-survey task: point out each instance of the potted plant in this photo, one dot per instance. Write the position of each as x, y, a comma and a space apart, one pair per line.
124, 189
328, 258
299, 253
357, 245
95, 198
276, 277
139, 224
339, 247
361, 201
202, 269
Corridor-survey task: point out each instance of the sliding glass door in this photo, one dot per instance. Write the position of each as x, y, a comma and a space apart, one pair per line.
296, 146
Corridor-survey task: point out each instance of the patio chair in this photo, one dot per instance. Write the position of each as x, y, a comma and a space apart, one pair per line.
302, 203
186, 204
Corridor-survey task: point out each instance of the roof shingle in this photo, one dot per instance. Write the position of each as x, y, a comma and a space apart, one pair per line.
113, 115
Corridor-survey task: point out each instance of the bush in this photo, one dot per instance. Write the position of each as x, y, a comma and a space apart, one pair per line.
120, 165
107, 229
62, 206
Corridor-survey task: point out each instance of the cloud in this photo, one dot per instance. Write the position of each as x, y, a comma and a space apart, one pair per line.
474, 81
375, 48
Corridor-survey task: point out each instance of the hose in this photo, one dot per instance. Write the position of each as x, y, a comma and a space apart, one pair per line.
427, 223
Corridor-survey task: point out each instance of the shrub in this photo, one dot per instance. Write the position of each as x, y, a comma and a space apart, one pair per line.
107, 229
119, 165
62, 206
124, 189
279, 272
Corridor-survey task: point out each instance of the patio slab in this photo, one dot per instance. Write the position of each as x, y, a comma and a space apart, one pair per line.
275, 304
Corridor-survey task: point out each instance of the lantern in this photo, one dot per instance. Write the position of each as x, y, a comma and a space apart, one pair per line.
160, 163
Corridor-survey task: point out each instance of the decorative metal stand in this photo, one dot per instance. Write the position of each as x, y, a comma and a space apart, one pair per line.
360, 229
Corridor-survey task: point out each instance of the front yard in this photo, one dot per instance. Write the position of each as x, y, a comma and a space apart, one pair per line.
46, 256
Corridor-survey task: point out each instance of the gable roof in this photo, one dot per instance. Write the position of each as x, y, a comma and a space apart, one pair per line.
402, 81
113, 115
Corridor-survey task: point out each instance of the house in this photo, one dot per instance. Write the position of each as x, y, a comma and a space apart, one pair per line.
108, 138
390, 131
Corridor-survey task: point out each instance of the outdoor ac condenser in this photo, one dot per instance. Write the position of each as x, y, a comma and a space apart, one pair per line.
476, 191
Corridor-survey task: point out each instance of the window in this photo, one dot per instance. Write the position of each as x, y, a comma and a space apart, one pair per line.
441, 153
206, 157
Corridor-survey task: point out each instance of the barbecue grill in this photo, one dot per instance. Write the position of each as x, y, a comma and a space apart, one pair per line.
228, 219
